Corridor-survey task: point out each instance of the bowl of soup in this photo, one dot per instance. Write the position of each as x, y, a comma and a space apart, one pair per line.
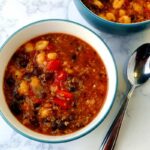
57, 84
116, 16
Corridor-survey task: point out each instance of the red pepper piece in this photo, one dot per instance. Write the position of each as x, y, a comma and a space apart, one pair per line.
62, 75
66, 94
61, 103
53, 65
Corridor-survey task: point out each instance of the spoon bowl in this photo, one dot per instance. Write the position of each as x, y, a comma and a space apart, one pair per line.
138, 71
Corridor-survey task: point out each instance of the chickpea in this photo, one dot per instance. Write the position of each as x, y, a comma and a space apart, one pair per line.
41, 45
53, 89
118, 4
122, 12
44, 112
23, 88
29, 47
52, 56
40, 58
102, 15
98, 3
148, 5
18, 74
65, 63
90, 102
35, 82
68, 70
125, 19
110, 16
137, 7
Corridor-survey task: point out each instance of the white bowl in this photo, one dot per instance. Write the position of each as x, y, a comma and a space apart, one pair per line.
61, 26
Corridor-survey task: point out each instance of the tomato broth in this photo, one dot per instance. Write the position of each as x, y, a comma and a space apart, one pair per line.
55, 84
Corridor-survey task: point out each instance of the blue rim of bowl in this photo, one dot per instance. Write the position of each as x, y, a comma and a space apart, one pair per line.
110, 22
113, 99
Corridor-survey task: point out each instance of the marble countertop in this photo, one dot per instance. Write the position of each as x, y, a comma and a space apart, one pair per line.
134, 132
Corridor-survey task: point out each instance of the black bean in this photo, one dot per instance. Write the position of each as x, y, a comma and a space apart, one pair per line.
72, 89
37, 107
61, 125
23, 63
54, 125
15, 108
37, 71
133, 18
18, 97
34, 121
21, 59
10, 81
73, 57
49, 76
58, 124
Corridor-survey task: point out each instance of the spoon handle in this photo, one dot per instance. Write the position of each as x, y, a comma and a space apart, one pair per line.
112, 134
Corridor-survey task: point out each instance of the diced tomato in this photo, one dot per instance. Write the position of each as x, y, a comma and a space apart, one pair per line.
31, 93
61, 103
53, 65
37, 100
50, 47
62, 75
60, 84
147, 13
65, 94
25, 106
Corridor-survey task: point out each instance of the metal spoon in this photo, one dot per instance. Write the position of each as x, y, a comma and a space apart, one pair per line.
138, 72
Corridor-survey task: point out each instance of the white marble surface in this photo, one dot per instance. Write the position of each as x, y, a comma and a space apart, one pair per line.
134, 133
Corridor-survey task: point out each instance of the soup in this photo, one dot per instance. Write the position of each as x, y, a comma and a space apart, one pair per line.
122, 11
55, 84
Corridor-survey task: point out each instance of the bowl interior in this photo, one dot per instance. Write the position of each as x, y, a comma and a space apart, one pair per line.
57, 26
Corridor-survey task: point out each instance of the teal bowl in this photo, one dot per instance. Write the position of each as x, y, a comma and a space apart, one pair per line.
108, 26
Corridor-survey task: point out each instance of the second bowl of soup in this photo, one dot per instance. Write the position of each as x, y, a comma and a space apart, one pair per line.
116, 16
